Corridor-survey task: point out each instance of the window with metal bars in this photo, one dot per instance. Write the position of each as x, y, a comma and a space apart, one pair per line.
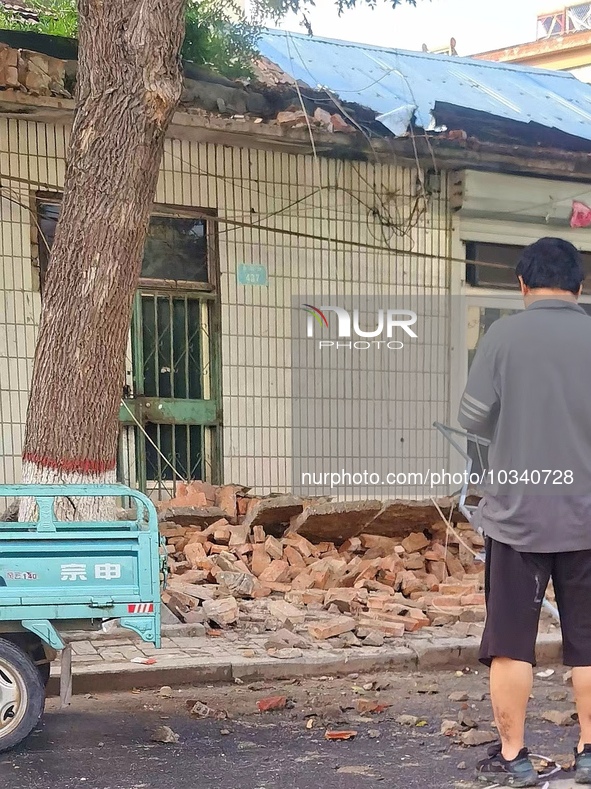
171, 411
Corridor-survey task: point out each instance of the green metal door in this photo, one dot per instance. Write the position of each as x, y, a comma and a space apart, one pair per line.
174, 411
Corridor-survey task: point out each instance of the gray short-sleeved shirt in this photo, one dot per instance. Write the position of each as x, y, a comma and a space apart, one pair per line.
529, 391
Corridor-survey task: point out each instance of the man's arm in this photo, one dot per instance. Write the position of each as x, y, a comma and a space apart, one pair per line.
480, 402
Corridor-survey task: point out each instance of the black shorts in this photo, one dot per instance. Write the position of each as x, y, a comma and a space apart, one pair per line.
515, 584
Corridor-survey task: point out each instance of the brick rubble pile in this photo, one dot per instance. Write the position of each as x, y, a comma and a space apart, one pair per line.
357, 572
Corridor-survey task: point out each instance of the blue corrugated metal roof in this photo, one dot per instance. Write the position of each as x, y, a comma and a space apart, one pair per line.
394, 83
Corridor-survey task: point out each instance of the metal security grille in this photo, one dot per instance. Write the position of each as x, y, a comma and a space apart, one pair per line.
319, 226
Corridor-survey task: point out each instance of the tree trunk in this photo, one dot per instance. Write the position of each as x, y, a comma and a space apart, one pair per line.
129, 82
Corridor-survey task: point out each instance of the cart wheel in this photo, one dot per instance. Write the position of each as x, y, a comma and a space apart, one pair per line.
22, 695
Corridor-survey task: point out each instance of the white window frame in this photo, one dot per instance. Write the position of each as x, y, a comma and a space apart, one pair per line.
464, 231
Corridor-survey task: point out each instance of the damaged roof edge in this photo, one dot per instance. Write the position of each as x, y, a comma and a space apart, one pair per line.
391, 81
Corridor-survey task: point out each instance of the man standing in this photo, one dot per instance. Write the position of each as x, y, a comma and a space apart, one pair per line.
529, 391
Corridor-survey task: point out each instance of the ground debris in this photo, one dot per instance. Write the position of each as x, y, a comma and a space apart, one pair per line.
272, 703
367, 706
558, 717
450, 728
410, 720
200, 710
164, 734
475, 737
427, 689
557, 695
347, 734
458, 696
358, 769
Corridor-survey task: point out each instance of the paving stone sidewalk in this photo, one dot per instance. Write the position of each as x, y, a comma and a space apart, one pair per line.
112, 661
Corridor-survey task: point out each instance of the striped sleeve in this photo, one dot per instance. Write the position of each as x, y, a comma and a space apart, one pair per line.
480, 401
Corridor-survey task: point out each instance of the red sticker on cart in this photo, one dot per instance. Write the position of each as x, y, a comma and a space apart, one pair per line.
140, 608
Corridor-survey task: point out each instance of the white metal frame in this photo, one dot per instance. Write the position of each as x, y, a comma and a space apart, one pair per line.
465, 230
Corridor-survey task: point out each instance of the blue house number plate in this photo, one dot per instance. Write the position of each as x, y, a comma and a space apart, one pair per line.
247, 274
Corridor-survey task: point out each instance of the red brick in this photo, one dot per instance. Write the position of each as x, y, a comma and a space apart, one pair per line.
276, 572
473, 599
410, 583
294, 557
195, 553
454, 565
438, 569
329, 628
395, 629
260, 559
447, 601
460, 588
301, 544
274, 547
415, 542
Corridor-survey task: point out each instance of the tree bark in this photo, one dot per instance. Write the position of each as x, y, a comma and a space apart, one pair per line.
129, 83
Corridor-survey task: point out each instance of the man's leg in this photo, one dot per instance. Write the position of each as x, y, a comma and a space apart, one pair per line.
582, 689
515, 584
510, 688
572, 585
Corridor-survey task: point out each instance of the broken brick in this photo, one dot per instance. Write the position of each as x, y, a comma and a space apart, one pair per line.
260, 559
330, 628
274, 547
195, 552
477, 598
294, 557
223, 612
285, 612
415, 542
277, 572
272, 704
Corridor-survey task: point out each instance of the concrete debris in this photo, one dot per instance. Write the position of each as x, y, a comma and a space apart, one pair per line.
458, 695
450, 728
335, 522
287, 653
199, 517
557, 695
285, 638
374, 639
408, 720
222, 612
474, 737
165, 735
314, 569
559, 717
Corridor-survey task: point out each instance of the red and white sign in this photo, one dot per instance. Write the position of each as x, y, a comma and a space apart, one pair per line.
140, 608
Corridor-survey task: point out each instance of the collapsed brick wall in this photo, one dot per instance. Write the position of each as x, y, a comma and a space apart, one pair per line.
232, 557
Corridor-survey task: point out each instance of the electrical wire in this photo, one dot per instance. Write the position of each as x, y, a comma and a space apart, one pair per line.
330, 240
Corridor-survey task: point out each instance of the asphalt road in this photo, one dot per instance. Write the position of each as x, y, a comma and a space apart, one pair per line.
104, 742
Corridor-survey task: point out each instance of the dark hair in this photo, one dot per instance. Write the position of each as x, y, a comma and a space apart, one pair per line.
551, 263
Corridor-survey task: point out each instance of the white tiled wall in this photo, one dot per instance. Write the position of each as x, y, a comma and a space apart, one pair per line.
320, 227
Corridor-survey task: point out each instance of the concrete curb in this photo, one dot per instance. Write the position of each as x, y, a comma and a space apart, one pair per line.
441, 653
123, 634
